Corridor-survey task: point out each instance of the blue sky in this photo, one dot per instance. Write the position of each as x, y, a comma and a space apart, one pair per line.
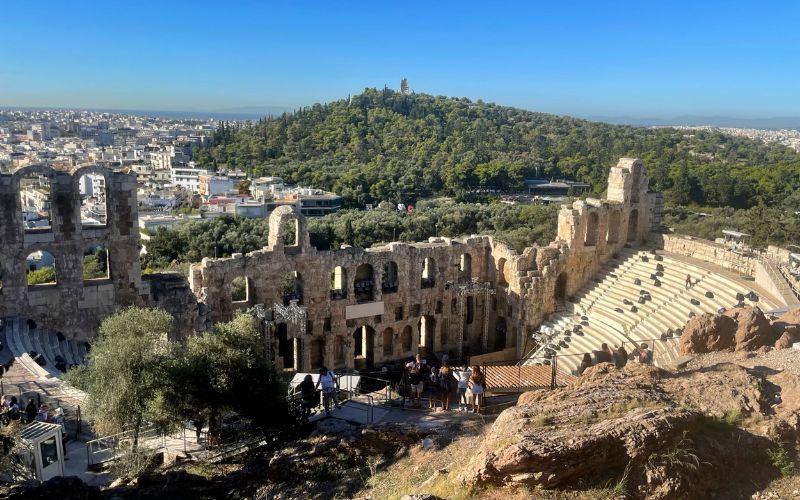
643, 58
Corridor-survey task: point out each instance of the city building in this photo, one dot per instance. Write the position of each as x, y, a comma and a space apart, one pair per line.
187, 177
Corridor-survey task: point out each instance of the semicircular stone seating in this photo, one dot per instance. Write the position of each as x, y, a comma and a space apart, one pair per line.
665, 307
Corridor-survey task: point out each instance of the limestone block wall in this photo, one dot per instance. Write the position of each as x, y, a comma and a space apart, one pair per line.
419, 316
705, 250
72, 305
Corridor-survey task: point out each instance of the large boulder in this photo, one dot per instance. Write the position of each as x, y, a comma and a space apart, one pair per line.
789, 336
789, 318
753, 329
707, 333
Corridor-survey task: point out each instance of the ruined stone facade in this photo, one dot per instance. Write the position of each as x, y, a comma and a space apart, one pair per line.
71, 305
370, 306
364, 306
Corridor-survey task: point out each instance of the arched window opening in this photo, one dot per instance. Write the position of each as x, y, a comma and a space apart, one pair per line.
561, 289
289, 233
240, 289
470, 310
633, 225
41, 268
500, 329
591, 230
95, 263
501, 272
465, 266
292, 288
428, 273
364, 284
35, 195
94, 209
387, 340
613, 227
338, 283
390, 281
405, 339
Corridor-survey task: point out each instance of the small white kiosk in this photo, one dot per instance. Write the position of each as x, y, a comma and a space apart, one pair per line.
44, 442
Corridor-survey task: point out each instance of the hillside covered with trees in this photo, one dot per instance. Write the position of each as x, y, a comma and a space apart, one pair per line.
385, 146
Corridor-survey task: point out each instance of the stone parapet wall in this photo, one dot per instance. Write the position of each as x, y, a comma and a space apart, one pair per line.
705, 250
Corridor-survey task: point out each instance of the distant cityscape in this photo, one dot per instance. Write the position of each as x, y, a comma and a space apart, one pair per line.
159, 151
788, 137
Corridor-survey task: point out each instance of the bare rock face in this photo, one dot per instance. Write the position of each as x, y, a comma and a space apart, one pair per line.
790, 335
605, 420
707, 333
753, 329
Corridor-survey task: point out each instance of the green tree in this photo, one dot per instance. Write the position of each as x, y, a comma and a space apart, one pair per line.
128, 371
681, 186
41, 276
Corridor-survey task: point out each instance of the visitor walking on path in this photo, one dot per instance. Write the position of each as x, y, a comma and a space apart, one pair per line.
328, 381
308, 396
31, 411
689, 281
414, 368
445, 387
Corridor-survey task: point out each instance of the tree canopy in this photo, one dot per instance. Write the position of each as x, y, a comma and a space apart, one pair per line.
385, 146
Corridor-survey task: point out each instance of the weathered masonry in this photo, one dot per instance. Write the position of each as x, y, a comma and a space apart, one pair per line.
379, 304
70, 304
363, 306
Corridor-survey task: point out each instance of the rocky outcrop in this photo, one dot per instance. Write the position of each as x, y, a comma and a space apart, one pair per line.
707, 333
789, 336
637, 419
753, 329
788, 319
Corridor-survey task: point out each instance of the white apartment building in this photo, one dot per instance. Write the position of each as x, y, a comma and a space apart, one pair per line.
187, 178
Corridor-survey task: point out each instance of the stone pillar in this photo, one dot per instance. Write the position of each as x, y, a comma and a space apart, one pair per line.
297, 345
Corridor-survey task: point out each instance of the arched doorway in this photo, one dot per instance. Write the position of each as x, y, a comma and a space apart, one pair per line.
500, 330
364, 343
561, 289
591, 230
338, 283
285, 345
405, 339
501, 272
427, 334
633, 225
387, 340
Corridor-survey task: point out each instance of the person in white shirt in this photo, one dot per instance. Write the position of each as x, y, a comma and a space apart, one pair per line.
329, 385
463, 380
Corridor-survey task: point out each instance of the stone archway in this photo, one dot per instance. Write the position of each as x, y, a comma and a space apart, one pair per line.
406, 339
633, 225
427, 334
364, 344
387, 339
